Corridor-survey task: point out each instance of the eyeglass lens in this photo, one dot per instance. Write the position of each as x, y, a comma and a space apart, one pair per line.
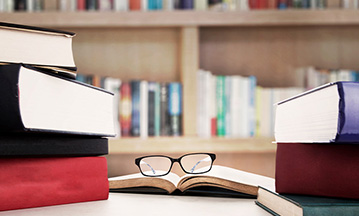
159, 165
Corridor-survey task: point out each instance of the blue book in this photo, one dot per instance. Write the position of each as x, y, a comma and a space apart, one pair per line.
285, 204
186, 4
327, 114
175, 108
135, 117
252, 105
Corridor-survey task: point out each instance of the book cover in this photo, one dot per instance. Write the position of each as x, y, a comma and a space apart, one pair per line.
165, 128
46, 145
175, 108
42, 102
288, 204
125, 109
135, 115
317, 169
221, 106
151, 108
36, 182
329, 115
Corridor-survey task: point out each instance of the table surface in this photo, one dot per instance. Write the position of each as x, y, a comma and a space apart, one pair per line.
143, 204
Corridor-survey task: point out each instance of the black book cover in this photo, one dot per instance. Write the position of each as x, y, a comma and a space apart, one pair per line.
135, 117
91, 5
20, 5
151, 108
164, 110
46, 145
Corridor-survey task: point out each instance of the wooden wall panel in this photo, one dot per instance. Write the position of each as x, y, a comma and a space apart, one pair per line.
128, 53
272, 53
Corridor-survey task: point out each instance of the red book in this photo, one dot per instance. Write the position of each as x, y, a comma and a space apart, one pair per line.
262, 4
35, 182
135, 4
318, 169
253, 4
125, 109
81, 5
214, 126
272, 4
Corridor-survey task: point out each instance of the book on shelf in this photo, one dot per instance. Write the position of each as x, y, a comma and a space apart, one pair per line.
175, 108
51, 145
40, 47
125, 109
164, 118
113, 85
289, 204
40, 101
220, 181
143, 109
135, 114
318, 169
36, 182
322, 115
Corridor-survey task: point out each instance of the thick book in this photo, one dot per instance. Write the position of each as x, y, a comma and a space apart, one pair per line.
175, 108
135, 115
318, 169
46, 48
50, 145
36, 182
286, 204
219, 181
36, 101
325, 114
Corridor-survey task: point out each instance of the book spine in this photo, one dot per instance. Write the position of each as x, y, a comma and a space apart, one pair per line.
272, 4
144, 5
91, 5
52, 181
30, 5
135, 4
144, 109
81, 5
252, 105
317, 169
157, 110
113, 85
228, 113
20, 5
221, 103
121, 5
151, 108
125, 109
164, 109
186, 4
213, 106
258, 113
135, 117
282, 4
305, 3
175, 108
243, 5
200, 102
201, 5
104, 5
235, 106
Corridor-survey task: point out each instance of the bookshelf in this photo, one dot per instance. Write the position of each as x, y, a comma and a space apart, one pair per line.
172, 45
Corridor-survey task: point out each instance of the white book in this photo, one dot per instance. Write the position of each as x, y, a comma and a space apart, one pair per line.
235, 106
9, 5
266, 114
168, 5
144, 109
30, 5
207, 106
67, 5
105, 5
244, 110
2, 6
121, 5
200, 102
344, 75
144, 5
113, 85
242, 5
201, 5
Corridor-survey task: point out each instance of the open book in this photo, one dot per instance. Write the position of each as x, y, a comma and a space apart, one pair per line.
220, 181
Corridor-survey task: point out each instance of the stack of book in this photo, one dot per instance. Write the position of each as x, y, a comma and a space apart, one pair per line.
52, 127
317, 135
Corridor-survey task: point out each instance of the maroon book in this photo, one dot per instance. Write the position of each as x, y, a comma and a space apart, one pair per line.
318, 169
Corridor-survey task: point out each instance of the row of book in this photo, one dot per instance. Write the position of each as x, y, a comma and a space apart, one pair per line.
53, 129
150, 5
143, 108
317, 136
234, 106
311, 77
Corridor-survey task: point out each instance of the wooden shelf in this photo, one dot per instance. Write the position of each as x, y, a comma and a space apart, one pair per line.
190, 144
184, 18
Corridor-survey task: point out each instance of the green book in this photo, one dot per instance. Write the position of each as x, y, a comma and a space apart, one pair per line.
285, 204
221, 106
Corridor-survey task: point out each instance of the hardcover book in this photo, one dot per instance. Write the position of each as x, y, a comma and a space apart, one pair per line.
220, 181
45, 48
36, 101
318, 169
286, 204
323, 115
35, 182
46, 145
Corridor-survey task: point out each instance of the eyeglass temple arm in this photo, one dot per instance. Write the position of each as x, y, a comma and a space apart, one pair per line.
205, 159
143, 162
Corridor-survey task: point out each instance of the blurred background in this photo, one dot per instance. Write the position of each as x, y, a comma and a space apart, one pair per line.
201, 75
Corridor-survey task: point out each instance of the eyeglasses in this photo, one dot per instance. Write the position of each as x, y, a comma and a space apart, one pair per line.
160, 165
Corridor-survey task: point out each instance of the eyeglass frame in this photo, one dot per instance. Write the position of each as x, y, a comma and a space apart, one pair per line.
174, 160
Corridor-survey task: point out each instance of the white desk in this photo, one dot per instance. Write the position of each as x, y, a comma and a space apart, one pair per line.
121, 204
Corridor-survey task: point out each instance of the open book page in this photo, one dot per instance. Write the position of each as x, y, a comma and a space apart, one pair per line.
228, 178
167, 182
